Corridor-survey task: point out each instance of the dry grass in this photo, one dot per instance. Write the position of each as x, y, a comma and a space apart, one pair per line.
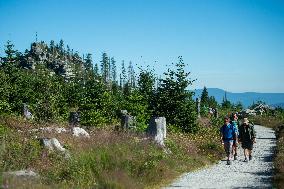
109, 159
277, 123
279, 159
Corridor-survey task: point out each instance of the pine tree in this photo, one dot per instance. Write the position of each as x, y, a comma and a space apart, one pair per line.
174, 101
204, 98
88, 62
12, 55
105, 68
10, 52
68, 51
123, 74
52, 46
61, 46
120, 81
113, 70
146, 84
212, 103
96, 69
226, 104
131, 76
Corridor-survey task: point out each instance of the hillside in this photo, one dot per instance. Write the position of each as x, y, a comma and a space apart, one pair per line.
247, 98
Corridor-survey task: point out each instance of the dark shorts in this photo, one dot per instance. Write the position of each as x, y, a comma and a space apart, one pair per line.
247, 145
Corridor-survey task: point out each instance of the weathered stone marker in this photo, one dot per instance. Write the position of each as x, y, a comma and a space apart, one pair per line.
127, 121
27, 113
52, 144
74, 119
198, 107
157, 129
216, 115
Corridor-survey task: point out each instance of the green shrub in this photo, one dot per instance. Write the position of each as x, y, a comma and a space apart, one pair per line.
19, 152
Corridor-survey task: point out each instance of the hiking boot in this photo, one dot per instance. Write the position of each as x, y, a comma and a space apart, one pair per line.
235, 157
246, 160
229, 162
250, 157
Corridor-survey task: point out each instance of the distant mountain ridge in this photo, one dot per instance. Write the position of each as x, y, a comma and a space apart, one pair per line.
246, 98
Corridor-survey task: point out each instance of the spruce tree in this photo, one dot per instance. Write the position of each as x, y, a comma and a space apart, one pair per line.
105, 68
146, 85
52, 47
11, 54
174, 101
96, 69
61, 46
204, 98
123, 74
113, 70
131, 76
212, 103
88, 62
226, 104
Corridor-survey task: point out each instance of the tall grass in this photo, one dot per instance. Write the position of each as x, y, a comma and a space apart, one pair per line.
109, 159
277, 123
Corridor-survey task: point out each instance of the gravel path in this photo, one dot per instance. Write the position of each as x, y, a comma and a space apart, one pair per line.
256, 173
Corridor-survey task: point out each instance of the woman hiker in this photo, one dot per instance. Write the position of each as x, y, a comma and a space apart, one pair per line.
235, 144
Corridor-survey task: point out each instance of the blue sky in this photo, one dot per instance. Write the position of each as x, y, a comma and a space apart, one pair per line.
236, 45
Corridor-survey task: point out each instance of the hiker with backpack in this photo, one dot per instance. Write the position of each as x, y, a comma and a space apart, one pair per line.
228, 135
247, 137
235, 123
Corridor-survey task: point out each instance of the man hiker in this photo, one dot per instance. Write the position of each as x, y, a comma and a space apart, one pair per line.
247, 136
234, 122
228, 135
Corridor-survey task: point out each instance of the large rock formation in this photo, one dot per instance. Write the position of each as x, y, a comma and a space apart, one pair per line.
56, 59
257, 110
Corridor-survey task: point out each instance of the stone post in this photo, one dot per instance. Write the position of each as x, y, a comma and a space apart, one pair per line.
74, 119
216, 115
27, 113
157, 129
198, 107
126, 121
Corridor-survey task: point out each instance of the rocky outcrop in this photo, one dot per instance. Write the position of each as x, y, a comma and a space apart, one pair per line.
257, 110
55, 58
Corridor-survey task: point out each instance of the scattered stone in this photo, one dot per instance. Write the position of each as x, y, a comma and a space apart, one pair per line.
50, 129
80, 132
54, 145
21, 173
60, 130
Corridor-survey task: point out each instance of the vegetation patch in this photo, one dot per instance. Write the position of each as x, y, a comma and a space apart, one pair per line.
109, 159
276, 122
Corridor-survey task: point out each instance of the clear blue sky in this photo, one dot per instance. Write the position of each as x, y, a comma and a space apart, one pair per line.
236, 45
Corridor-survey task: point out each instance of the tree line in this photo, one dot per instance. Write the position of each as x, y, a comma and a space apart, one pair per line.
53, 80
